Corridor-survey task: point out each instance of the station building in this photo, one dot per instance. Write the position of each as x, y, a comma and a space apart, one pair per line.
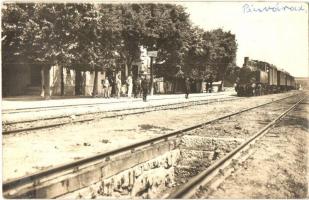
22, 79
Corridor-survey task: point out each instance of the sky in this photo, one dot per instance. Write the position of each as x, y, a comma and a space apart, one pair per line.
279, 37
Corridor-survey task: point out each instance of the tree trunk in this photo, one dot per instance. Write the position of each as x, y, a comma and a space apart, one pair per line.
45, 87
130, 66
151, 76
126, 71
61, 81
222, 86
42, 82
83, 83
95, 83
46, 83
78, 82
223, 77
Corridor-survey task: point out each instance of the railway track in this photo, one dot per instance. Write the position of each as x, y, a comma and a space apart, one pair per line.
192, 187
34, 185
34, 124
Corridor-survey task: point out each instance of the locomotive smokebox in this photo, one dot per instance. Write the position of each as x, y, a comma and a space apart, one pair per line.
246, 60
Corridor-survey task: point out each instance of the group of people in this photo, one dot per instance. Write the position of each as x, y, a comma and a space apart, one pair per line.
138, 86
109, 85
188, 87
257, 89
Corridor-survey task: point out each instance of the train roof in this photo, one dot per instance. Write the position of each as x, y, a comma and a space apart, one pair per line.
272, 66
284, 71
268, 64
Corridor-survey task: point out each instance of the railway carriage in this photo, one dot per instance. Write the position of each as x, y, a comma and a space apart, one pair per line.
272, 79
290, 82
281, 83
293, 84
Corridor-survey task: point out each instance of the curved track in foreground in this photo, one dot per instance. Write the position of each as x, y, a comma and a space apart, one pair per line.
16, 188
112, 113
190, 188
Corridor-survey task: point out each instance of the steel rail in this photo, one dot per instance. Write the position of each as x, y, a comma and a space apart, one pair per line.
19, 110
186, 190
145, 110
27, 179
117, 110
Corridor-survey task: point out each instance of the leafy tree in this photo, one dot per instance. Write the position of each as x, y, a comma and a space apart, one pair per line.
166, 29
95, 37
222, 49
196, 56
36, 38
14, 18
232, 73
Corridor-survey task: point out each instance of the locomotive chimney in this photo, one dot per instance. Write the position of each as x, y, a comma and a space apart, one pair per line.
246, 61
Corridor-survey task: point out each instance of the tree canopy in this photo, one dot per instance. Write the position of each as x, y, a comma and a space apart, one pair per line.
94, 37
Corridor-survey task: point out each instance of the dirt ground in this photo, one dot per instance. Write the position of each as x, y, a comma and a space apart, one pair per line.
29, 152
278, 167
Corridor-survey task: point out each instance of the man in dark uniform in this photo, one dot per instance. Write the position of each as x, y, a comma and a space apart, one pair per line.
145, 86
211, 79
136, 87
188, 87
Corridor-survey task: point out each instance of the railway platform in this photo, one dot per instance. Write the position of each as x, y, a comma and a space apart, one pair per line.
26, 102
22, 109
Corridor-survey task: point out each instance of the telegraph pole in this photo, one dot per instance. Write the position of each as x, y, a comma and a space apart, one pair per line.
151, 76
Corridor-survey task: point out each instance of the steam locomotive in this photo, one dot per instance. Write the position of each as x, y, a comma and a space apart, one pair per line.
259, 78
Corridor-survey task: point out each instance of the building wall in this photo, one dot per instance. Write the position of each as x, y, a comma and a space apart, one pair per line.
16, 79
144, 62
55, 81
90, 81
69, 82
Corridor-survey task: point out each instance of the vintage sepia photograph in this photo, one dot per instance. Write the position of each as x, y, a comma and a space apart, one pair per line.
155, 99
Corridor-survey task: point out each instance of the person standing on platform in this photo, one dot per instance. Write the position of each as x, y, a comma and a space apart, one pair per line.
140, 91
118, 86
136, 87
111, 85
145, 85
106, 88
211, 79
187, 87
259, 89
130, 85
